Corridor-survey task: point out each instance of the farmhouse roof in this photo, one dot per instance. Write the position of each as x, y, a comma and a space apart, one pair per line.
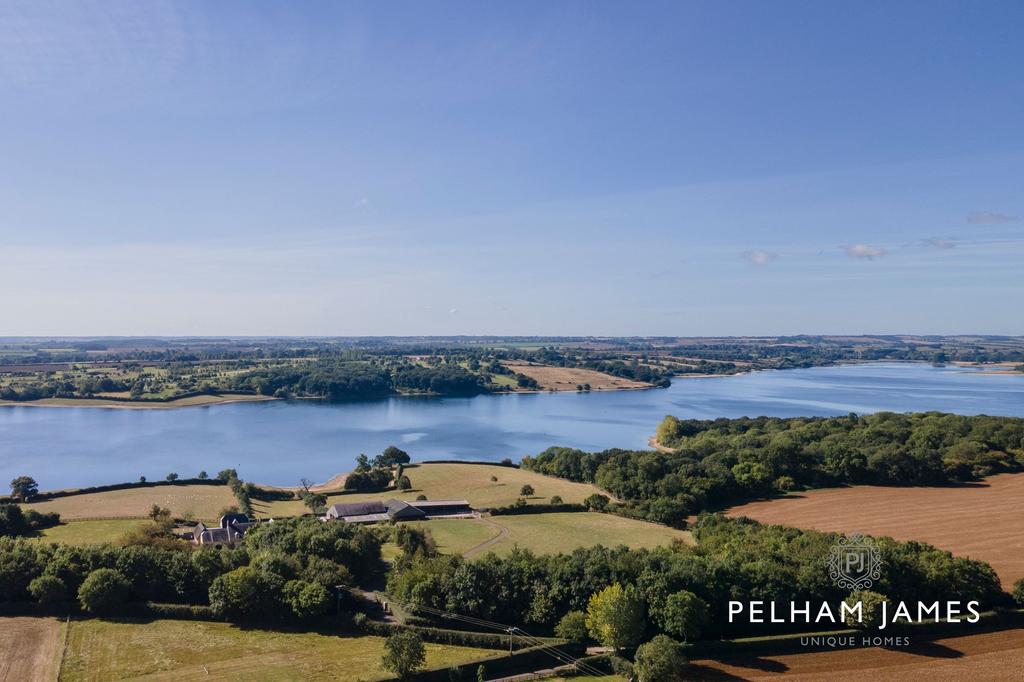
427, 504
357, 508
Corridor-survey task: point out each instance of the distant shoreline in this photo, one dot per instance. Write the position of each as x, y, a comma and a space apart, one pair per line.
194, 401
989, 369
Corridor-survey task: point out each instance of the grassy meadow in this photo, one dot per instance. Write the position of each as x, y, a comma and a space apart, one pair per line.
165, 650
460, 481
82, 533
547, 533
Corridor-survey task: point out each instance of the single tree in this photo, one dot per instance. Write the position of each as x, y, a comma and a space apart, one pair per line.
494, 479
526, 490
403, 483
202, 475
615, 616
158, 513
362, 463
659, 660
227, 475
142, 479
556, 499
1018, 592
393, 455
172, 476
597, 502
103, 591
685, 615
24, 488
315, 501
404, 653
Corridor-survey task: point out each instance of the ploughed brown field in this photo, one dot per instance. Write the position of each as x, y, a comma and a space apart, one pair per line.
977, 520
29, 649
988, 656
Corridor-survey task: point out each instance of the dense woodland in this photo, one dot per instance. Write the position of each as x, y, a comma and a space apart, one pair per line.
722, 461
683, 591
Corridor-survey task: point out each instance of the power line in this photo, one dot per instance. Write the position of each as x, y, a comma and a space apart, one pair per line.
512, 631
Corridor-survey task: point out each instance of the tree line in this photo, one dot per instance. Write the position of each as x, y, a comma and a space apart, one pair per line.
725, 461
285, 570
679, 591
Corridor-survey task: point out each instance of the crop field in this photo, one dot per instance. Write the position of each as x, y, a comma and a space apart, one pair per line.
202, 501
82, 533
165, 650
977, 520
568, 378
29, 649
546, 533
461, 481
988, 656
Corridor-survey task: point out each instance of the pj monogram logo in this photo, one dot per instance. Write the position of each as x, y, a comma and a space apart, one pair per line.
854, 562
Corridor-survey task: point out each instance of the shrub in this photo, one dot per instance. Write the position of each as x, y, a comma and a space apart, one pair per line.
48, 589
573, 627
1018, 593
103, 591
659, 660
404, 653
871, 609
526, 490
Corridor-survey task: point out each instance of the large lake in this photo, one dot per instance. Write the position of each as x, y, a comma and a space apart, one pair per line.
279, 442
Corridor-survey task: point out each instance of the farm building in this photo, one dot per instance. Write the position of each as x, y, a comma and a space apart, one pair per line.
396, 510
232, 529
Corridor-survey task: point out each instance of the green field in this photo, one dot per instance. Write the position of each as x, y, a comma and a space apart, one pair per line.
554, 533
164, 650
548, 533
90, 532
460, 481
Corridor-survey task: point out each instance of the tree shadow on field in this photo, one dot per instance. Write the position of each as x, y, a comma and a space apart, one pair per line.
929, 649
696, 671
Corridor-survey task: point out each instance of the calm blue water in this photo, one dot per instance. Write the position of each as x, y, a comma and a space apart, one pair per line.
280, 442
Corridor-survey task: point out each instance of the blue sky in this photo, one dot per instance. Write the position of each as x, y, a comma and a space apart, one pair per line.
688, 168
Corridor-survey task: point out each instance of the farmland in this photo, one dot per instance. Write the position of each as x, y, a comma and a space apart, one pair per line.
547, 533
471, 482
94, 532
164, 650
202, 501
29, 649
977, 520
988, 656
568, 378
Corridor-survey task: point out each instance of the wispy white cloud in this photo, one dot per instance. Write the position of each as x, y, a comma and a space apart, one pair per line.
938, 243
989, 218
758, 257
864, 251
